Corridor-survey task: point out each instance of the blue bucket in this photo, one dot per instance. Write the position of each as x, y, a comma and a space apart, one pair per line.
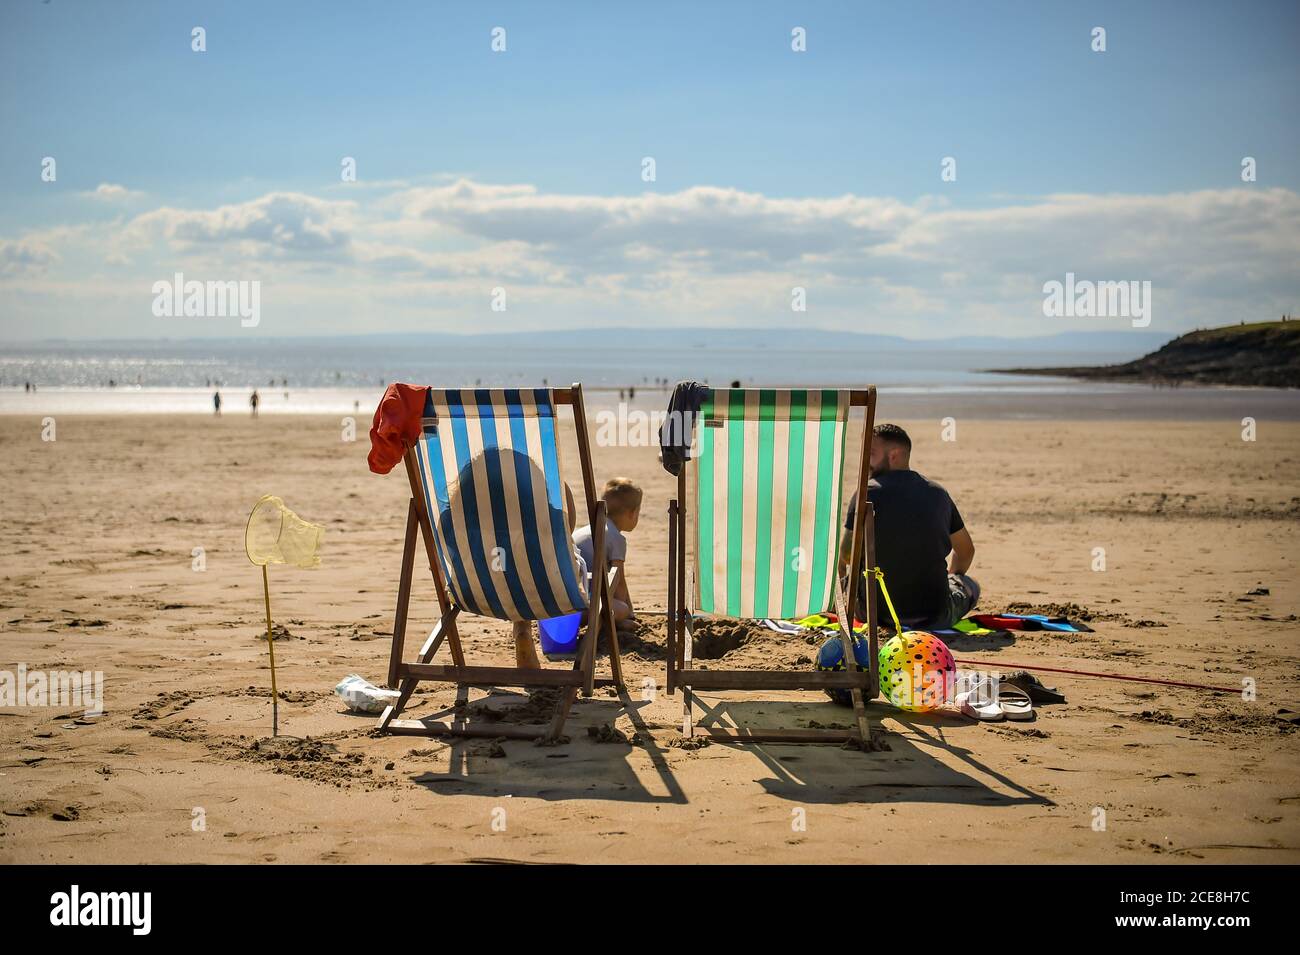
559, 634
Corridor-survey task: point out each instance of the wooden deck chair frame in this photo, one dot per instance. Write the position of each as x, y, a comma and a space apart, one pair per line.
682, 675
406, 676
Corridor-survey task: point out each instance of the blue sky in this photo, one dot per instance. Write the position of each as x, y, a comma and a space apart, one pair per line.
204, 162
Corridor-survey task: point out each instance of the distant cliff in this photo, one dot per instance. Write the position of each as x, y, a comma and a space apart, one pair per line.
1265, 354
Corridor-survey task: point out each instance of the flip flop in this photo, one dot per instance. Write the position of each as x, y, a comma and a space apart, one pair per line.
978, 706
1015, 703
1024, 680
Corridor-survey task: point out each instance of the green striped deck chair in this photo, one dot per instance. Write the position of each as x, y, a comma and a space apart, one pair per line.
487, 496
766, 476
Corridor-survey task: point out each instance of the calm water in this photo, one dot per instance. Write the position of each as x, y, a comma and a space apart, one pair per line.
343, 376
324, 363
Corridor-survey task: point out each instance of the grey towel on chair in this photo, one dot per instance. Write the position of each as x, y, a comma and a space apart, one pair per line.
675, 432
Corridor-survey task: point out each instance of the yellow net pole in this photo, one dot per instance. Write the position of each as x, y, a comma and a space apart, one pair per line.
270, 646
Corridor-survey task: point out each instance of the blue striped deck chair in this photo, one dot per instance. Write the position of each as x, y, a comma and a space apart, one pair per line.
767, 468
488, 499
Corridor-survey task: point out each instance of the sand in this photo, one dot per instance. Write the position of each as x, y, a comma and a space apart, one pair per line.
97, 573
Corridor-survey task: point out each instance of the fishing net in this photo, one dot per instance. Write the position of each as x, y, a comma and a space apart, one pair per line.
276, 535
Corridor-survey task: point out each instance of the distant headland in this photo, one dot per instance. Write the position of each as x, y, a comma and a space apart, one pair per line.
1262, 354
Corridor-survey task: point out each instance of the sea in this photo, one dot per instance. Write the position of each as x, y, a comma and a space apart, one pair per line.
348, 375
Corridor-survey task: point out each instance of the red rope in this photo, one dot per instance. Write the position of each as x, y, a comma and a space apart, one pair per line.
1104, 676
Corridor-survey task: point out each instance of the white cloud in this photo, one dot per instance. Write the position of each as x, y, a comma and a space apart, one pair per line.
111, 192
722, 229
709, 255
25, 256
286, 224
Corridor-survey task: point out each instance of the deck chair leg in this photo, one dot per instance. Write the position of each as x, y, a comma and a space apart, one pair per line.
393, 711
596, 606
670, 619
405, 690
567, 696
687, 638
615, 663
390, 713
444, 630
399, 618
873, 637
404, 694
587, 658
846, 642
860, 715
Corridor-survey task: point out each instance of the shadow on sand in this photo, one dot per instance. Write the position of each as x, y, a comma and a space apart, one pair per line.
925, 762
581, 769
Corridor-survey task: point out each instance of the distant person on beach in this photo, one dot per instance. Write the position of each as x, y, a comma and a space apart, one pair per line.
253, 399
922, 545
622, 513
216, 403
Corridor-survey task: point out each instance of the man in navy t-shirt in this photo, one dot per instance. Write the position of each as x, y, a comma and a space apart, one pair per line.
922, 545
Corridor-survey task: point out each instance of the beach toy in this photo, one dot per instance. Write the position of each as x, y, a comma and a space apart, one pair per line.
559, 634
830, 658
917, 671
276, 535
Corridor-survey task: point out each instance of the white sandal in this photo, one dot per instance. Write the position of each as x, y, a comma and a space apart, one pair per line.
1014, 703
979, 706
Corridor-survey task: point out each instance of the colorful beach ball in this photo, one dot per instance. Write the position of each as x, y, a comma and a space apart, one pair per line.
917, 671
830, 658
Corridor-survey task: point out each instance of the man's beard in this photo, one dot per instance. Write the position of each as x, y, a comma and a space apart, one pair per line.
884, 466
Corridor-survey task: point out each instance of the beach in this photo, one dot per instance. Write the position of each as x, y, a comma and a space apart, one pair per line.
100, 570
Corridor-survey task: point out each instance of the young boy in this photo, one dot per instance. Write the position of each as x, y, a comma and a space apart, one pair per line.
622, 512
